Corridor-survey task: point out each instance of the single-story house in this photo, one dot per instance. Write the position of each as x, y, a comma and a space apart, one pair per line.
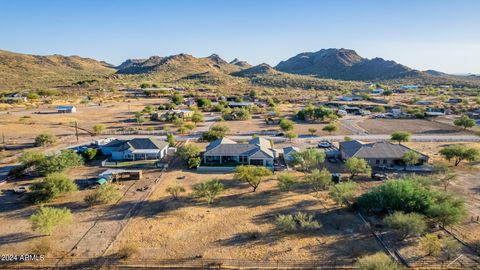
378, 153
224, 151
435, 111
66, 109
136, 149
246, 104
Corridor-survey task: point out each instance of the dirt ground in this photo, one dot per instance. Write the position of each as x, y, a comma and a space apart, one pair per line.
415, 126
240, 224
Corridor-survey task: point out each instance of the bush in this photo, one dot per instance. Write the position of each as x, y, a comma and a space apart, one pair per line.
307, 159
50, 187
406, 224
215, 132
104, 194
431, 245
343, 193
378, 261
127, 251
47, 219
286, 181
446, 210
90, 153
459, 152
175, 190
57, 163
208, 190
299, 222
405, 195
286, 223
98, 129
401, 136
45, 139
319, 180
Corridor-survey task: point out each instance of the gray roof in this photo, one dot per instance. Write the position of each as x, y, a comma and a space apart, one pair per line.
374, 150
138, 143
256, 148
290, 149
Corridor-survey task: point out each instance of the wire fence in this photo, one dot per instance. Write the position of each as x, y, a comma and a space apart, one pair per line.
191, 263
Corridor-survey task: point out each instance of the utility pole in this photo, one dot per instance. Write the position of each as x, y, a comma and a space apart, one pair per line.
76, 130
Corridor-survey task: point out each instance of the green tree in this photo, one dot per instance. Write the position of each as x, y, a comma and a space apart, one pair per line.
45, 139
194, 162
312, 131
465, 122
175, 190
50, 187
208, 190
401, 136
356, 166
378, 261
343, 193
98, 129
459, 153
104, 194
406, 224
319, 180
445, 180
46, 219
431, 245
447, 209
379, 109
188, 151
197, 117
177, 99
291, 135
204, 102
253, 94
286, 181
215, 132
59, 162
253, 175
330, 128
90, 153
286, 124
171, 139
410, 158
307, 159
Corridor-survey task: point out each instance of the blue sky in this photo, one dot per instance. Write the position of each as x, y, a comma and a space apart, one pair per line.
423, 34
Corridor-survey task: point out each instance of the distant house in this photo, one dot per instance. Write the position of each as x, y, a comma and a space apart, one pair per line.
377, 91
435, 112
378, 153
66, 109
455, 100
409, 87
234, 104
225, 152
424, 102
136, 149
351, 98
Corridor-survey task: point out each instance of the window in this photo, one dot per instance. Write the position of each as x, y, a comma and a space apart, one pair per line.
242, 159
385, 161
377, 161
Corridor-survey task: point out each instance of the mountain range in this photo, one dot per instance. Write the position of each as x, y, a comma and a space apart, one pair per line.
306, 70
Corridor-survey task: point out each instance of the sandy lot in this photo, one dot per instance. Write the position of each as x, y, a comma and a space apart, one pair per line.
239, 225
415, 126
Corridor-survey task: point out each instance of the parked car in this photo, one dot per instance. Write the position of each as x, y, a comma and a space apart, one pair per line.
20, 189
380, 176
280, 134
324, 144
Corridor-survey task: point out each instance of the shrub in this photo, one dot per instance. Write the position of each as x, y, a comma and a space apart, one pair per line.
307, 159
406, 224
299, 222
57, 163
47, 219
45, 139
43, 247
127, 251
98, 129
343, 193
446, 210
286, 181
215, 132
175, 190
330, 128
465, 122
286, 223
90, 153
208, 190
104, 194
319, 180
431, 245
378, 261
286, 124
450, 247
50, 187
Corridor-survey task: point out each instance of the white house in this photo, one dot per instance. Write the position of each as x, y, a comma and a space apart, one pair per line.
66, 109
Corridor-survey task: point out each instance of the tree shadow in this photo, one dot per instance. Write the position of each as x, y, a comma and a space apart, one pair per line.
16, 238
